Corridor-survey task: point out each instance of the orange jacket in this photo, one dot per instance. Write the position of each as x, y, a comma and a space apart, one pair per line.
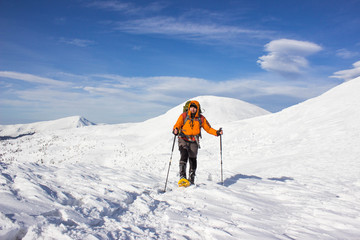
192, 126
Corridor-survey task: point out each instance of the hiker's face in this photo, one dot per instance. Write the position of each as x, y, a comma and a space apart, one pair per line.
193, 109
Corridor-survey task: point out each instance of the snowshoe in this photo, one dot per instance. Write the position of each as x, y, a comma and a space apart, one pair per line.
183, 182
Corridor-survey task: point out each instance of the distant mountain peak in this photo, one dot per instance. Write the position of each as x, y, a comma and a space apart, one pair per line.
77, 121
58, 124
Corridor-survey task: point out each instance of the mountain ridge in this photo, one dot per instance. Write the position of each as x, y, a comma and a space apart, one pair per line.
58, 124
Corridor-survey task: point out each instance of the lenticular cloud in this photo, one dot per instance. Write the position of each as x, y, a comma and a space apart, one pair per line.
349, 73
287, 56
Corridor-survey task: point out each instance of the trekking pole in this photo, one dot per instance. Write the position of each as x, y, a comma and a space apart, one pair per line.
167, 176
221, 161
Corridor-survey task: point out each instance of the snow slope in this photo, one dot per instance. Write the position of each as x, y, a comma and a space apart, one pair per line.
289, 175
63, 123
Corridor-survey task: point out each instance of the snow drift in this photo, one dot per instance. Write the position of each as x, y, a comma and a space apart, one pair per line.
289, 175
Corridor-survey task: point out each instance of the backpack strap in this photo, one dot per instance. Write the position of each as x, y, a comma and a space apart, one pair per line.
186, 118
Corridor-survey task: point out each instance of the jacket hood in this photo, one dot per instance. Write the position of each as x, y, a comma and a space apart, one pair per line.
197, 109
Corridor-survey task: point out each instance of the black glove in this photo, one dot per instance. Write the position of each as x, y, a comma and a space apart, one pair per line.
177, 133
218, 132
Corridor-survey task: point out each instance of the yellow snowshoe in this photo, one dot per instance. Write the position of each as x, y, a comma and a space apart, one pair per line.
183, 182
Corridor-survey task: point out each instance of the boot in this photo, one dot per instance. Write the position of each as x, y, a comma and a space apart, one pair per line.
192, 170
182, 172
192, 177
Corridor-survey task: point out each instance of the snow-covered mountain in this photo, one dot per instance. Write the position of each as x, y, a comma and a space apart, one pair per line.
59, 124
215, 109
288, 175
221, 109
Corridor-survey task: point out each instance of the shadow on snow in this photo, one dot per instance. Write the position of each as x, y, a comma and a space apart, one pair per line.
233, 179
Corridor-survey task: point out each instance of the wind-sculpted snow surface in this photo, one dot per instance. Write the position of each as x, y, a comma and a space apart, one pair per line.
289, 175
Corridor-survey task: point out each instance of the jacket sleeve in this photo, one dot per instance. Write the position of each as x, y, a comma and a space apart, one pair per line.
206, 125
179, 123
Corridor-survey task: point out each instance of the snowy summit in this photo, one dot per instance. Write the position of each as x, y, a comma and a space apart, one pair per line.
289, 175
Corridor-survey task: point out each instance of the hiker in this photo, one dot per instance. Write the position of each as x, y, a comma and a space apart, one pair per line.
188, 129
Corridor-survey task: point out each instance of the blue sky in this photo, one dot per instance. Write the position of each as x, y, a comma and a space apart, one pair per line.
127, 61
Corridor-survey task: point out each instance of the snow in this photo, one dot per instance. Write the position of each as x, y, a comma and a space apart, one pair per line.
64, 123
288, 175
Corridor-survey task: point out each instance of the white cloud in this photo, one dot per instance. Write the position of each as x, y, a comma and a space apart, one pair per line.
111, 5
102, 90
49, 97
170, 26
165, 87
127, 7
32, 78
287, 56
349, 73
346, 54
208, 27
77, 42
187, 29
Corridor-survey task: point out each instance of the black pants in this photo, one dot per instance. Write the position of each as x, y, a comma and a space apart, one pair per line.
188, 151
